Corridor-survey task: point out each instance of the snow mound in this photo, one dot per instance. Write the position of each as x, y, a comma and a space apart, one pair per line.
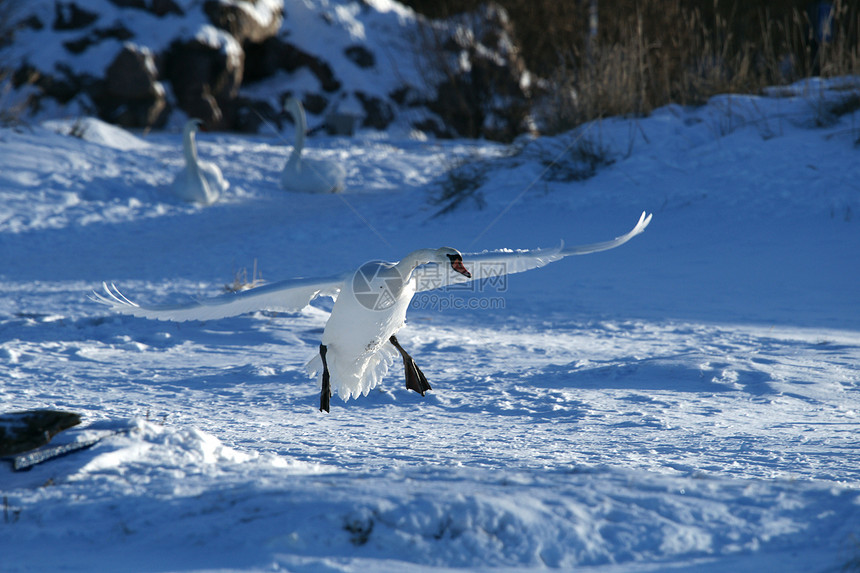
97, 131
148, 443
156, 449
144, 452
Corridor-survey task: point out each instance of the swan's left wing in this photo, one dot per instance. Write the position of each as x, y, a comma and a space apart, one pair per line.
290, 295
493, 264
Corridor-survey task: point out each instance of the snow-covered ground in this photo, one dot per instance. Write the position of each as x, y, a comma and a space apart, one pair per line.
687, 402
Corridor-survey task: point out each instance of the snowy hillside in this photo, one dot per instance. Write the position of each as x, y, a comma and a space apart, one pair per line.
689, 401
373, 64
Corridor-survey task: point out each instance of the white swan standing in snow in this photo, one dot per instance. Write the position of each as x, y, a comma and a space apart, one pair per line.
199, 181
305, 175
358, 343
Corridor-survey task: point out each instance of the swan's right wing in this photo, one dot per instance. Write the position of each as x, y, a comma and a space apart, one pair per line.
290, 295
493, 264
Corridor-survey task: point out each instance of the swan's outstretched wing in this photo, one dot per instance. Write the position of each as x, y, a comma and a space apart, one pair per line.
290, 295
492, 264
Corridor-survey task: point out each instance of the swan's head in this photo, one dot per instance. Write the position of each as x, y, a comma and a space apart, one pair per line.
193, 125
448, 255
441, 257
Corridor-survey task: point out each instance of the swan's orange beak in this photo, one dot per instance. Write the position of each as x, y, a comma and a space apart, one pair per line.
457, 265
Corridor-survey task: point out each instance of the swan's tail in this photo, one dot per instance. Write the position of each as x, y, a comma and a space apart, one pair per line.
349, 378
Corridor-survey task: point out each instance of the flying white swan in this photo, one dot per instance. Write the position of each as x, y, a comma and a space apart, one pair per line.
358, 343
305, 175
199, 181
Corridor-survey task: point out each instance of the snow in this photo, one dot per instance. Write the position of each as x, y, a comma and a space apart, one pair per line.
265, 12
687, 402
325, 29
221, 40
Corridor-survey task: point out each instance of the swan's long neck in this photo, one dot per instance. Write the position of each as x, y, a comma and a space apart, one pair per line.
189, 146
301, 127
416, 259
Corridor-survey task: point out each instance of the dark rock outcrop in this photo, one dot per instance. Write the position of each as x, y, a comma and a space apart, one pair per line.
360, 56
114, 32
23, 431
241, 23
131, 94
378, 114
488, 97
206, 76
70, 16
274, 54
157, 7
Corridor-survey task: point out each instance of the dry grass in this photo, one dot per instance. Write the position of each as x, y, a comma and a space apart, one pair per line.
678, 54
648, 53
462, 182
241, 282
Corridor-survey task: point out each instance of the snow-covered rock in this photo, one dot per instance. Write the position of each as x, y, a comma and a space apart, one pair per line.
232, 63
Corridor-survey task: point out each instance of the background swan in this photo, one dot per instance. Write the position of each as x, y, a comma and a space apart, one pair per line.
199, 181
358, 343
305, 175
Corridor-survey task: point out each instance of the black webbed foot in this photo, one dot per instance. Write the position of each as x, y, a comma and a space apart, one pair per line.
325, 392
415, 379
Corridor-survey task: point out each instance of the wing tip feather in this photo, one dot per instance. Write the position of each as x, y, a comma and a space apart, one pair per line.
112, 297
